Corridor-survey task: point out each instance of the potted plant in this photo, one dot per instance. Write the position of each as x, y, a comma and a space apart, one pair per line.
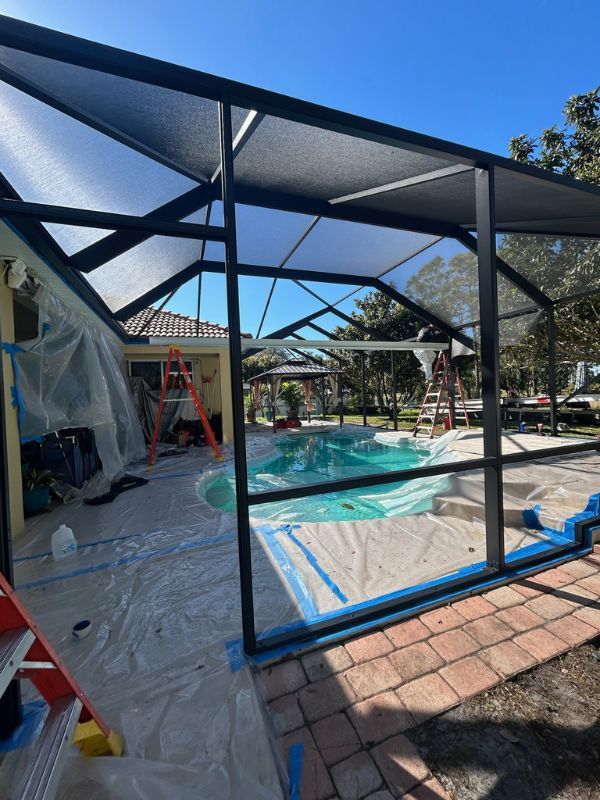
292, 396
36, 489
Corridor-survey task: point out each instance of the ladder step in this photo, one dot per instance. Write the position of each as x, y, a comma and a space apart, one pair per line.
40, 781
13, 649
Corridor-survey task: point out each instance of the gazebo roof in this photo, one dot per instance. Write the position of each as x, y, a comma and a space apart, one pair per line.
297, 370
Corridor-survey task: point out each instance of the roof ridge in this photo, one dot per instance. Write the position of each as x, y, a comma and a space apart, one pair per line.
180, 315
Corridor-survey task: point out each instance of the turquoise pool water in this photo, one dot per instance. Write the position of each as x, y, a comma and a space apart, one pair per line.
316, 458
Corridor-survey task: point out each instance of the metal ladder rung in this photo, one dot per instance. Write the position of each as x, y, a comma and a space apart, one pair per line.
14, 646
40, 781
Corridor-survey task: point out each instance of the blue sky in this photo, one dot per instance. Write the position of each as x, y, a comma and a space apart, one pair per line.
472, 72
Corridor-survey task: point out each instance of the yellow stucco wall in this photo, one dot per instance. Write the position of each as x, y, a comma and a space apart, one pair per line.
15, 486
207, 362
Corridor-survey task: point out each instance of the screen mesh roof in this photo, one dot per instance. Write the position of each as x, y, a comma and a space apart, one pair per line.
97, 128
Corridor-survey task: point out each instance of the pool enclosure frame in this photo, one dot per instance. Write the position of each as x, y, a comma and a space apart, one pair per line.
26, 218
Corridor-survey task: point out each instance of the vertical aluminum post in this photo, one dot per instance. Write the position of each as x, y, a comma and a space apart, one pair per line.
363, 386
235, 356
394, 389
490, 366
551, 329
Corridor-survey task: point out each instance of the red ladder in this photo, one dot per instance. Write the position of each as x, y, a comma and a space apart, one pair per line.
72, 719
208, 431
437, 405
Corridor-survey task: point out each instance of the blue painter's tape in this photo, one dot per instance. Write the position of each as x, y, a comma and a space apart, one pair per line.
296, 758
17, 397
303, 596
236, 654
531, 517
312, 560
33, 716
324, 639
178, 548
93, 544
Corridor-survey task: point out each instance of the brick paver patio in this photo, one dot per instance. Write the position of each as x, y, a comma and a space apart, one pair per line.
353, 705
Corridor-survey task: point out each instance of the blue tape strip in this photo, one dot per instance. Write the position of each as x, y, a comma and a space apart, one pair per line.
296, 759
312, 560
236, 654
32, 719
227, 537
531, 517
303, 596
516, 574
17, 397
94, 544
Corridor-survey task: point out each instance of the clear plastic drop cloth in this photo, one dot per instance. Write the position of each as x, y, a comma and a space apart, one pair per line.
72, 376
156, 572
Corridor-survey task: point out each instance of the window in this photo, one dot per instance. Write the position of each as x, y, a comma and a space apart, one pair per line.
153, 372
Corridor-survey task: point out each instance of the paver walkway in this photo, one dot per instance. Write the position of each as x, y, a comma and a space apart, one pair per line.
353, 705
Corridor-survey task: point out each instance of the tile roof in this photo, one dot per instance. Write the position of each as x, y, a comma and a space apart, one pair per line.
171, 324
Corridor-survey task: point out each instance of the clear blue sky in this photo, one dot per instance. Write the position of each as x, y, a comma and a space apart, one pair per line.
470, 71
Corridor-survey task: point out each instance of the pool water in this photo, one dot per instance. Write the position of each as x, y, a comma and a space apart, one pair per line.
317, 458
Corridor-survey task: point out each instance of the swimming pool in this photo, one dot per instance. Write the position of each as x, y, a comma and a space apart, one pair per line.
316, 458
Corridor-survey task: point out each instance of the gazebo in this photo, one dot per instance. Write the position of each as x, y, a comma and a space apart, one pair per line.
303, 371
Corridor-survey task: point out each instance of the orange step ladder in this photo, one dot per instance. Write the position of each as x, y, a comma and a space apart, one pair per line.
208, 431
437, 408
72, 719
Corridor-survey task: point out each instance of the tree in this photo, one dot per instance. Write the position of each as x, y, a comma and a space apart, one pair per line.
261, 362
561, 267
378, 311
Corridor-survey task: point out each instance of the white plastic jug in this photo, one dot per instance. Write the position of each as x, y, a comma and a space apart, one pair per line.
64, 542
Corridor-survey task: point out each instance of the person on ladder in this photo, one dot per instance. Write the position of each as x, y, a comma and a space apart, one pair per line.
429, 333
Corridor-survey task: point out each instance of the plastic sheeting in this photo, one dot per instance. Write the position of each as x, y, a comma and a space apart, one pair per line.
71, 376
156, 572
147, 401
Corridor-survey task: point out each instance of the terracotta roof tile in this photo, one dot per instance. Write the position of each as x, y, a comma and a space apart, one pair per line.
171, 324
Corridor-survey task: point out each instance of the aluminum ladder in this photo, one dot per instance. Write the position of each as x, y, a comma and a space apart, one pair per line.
437, 405
25, 653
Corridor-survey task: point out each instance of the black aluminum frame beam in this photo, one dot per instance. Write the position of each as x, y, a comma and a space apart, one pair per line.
195, 199
490, 367
45, 96
73, 50
423, 314
415, 180
217, 267
109, 220
311, 225
119, 242
518, 280
30, 230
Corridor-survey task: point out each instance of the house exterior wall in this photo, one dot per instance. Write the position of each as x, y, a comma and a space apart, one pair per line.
15, 484
207, 363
